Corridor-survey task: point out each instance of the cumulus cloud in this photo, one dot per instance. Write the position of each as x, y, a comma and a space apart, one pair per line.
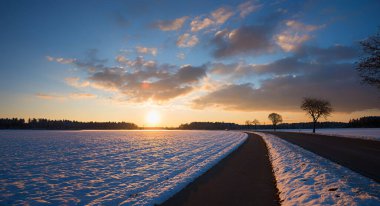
170, 25
246, 8
289, 41
187, 40
153, 84
311, 72
146, 50
295, 34
215, 18
254, 39
284, 93
139, 79
198, 23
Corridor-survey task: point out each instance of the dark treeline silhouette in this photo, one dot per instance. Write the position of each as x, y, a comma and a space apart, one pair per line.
371, 121
354, 123
15, 123
210, 126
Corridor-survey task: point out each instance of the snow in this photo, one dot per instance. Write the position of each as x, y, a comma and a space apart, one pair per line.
106, 167
304, 178
362, 133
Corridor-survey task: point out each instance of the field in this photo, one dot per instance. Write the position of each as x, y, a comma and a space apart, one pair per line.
105, 167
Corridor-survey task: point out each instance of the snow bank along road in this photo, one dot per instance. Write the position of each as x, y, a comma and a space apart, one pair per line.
362, 156
243, 178
304, 178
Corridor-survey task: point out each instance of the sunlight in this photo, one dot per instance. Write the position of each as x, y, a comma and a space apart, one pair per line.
153, 118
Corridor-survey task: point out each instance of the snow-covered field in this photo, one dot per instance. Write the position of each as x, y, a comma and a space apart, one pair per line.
304, 178
363, 133
105, 167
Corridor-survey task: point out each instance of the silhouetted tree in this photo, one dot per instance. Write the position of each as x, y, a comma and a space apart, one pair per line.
275, 118
255, 122
247, 122
316, 108
369, 65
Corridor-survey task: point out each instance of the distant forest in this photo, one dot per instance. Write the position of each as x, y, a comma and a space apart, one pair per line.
367, 122
16, 123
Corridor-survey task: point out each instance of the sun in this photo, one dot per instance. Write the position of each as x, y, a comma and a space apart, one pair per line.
153, 118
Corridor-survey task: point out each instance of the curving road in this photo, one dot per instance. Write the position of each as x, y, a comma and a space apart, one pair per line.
243, 178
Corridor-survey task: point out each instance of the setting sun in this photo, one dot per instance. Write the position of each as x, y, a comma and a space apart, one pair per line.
153, 118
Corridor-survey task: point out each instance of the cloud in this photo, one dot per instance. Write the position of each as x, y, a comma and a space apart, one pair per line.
181, 55
198, 24
302, 27
140, 80
75, 82
254, 39
170, 25
295, 34
311, 72
76, 95
49, 96
146, 50
290, 41
82, 96
233, 70
187, 40
60, 60
221, 15
246, 8
329, 54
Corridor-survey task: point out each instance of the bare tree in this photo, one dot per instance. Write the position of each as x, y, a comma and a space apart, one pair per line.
316, 108
369, 65
275, 118
255, 122
247, 122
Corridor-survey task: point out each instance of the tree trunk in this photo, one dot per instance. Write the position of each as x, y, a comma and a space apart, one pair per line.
274, 127
314, 123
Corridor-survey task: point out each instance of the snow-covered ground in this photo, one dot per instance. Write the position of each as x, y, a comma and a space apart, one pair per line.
304, 178
105, 167
363, 133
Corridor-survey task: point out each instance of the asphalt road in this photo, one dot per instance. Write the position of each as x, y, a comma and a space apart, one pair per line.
362, 156
243, 178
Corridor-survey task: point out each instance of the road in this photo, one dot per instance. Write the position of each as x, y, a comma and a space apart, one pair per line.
362, 156
243, 178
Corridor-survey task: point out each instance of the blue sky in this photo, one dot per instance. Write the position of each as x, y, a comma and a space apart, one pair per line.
68, 59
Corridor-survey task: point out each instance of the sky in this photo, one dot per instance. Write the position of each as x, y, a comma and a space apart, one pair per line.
183, 61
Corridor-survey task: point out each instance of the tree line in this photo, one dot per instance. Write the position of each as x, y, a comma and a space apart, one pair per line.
16, 123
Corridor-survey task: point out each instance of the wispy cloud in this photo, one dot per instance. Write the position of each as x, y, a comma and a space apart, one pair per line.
146, 50
49, 96
295, 34
60, 60
248, 7
221, 15
75, 82
82, 96
76, 95
181, 55
170, 25
187, 40
199, 23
